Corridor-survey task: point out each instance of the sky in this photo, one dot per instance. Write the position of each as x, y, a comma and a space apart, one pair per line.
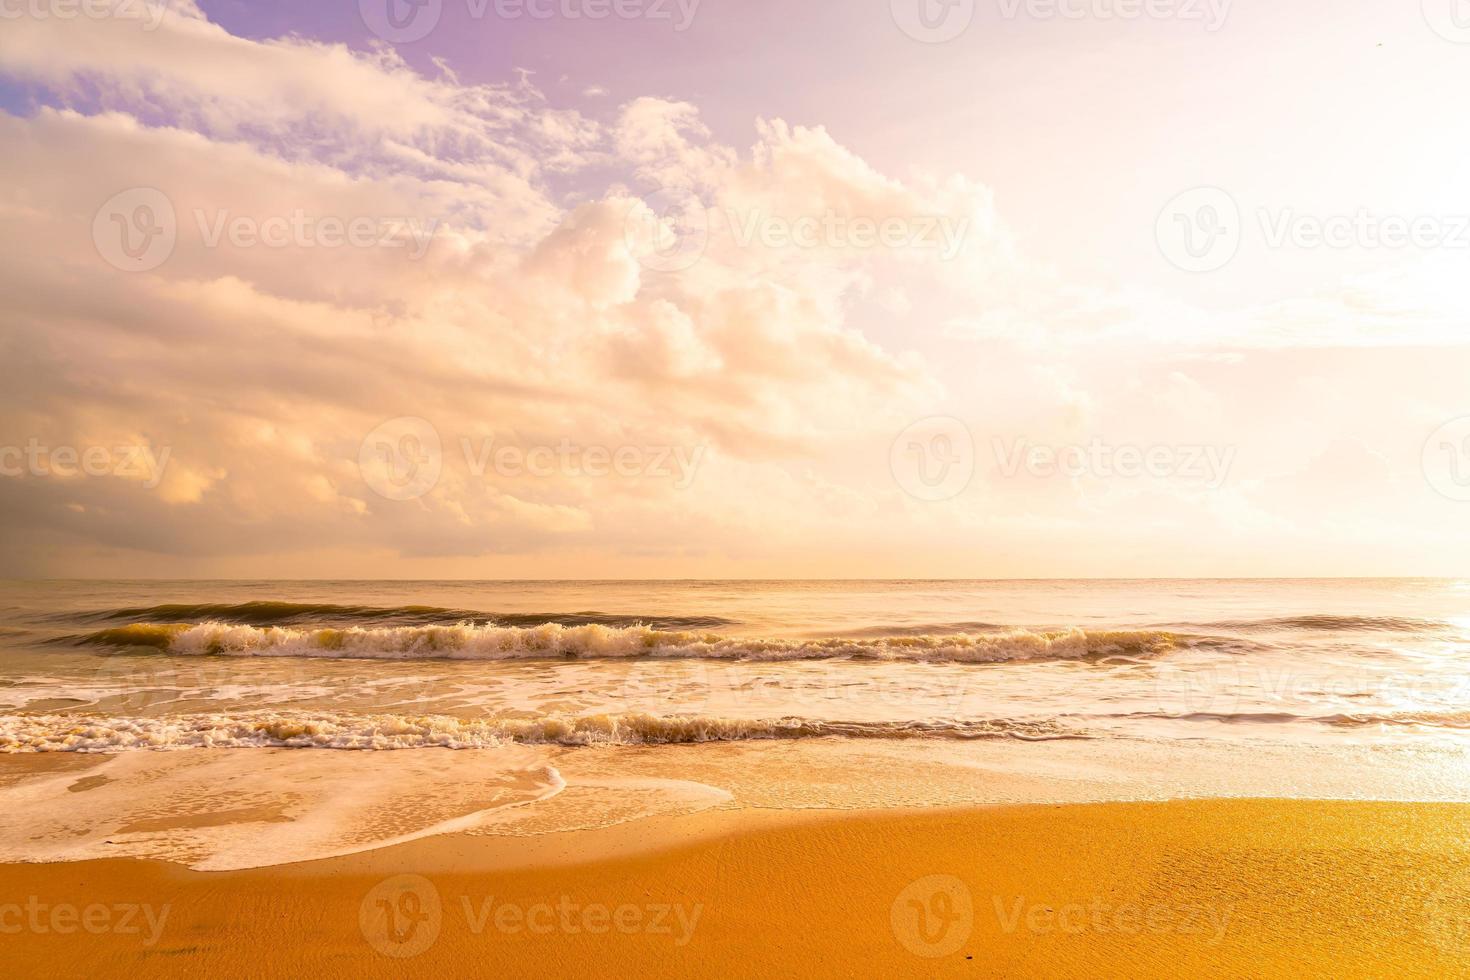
707, 289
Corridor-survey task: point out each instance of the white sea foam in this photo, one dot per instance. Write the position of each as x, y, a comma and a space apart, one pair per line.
467, 641
272, 729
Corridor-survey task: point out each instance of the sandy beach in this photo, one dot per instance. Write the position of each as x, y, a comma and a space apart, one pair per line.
1232, 888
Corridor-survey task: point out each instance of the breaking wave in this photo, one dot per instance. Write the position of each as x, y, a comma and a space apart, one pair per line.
276, 613
1444, 721
74, 733
1454, 720
468, 641
1335, 624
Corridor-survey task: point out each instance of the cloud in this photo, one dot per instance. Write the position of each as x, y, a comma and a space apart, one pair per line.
530, 319
564, 287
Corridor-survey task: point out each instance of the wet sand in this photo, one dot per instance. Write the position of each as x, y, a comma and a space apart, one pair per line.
1227, 887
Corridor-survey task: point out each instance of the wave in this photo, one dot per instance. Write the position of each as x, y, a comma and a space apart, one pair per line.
73, 733
1425, 719
1224, 717
1334, 624
925, 629
267, 612
1452, 720
468, 641
278, 613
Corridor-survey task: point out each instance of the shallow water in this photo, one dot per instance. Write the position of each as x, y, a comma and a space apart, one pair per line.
115, 666
584, 705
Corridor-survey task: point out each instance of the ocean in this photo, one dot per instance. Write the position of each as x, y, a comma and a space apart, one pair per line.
120, 666
193, 722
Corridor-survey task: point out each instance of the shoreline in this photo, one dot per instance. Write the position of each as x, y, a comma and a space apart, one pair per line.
1232, 886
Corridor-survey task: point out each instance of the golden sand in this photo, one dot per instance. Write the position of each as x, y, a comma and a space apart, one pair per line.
1228, 888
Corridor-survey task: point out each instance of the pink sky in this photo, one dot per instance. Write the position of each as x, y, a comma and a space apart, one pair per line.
323, 305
